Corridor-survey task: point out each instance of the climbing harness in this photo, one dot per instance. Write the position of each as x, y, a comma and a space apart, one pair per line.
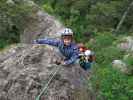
49, 81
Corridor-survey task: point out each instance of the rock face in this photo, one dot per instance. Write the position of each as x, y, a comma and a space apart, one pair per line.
127, 44
40, 24
120, 65
126, 66
43, 25
25, 69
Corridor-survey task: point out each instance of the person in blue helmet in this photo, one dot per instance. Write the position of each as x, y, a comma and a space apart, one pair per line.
66, 46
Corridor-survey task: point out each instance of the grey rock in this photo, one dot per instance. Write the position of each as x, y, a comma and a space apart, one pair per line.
11, 2
25, 71
40, 24
120, 65
127, 44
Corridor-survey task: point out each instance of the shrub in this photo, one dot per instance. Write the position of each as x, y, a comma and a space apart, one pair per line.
110, 84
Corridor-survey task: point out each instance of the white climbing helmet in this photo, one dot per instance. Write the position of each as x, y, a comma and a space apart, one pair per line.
87, 52
67, 31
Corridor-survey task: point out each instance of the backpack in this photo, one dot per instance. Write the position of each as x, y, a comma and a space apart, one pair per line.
86, 53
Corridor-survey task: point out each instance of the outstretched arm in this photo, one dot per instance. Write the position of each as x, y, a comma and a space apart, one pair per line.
49, 41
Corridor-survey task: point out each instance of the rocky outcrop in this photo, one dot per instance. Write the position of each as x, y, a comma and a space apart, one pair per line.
40, 24
120, 65
25, 69
34, 21
43, 25
125, 65
126, 44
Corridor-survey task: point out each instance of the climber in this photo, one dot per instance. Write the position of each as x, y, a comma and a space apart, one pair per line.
66, 46
86, 57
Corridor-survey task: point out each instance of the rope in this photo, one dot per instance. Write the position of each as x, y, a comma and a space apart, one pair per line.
46, 85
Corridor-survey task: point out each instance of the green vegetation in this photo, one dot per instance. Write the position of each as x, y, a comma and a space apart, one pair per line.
91, 15
128, 59
99, 17
105, 47
110, 84
12, 21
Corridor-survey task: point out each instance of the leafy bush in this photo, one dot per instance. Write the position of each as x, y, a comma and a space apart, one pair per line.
128, 59
106, 55
12, 21
3, 43
104, 40
111, 85
104, 48
91, 15
48, 8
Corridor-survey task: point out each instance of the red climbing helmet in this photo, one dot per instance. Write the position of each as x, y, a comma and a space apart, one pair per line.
82, 47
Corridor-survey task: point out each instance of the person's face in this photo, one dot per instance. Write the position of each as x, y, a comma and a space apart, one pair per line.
81, 49
67, 40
